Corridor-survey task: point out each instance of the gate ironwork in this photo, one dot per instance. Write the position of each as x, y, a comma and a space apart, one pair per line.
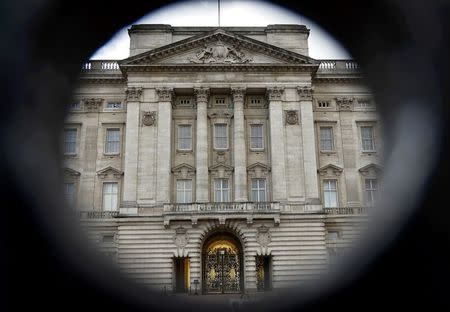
222, 268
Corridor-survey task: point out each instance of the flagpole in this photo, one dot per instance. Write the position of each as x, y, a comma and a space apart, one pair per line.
218, 11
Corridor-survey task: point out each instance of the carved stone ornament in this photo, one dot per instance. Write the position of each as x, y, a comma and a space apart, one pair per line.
181, 238
305, 93
330, 170
263, 236
274, 93
110, 172
183, 171
345, 104
164, 94
291, 117
93, 104
201, 94
219, 52
148, 118
221, 157
133, 94
238, 94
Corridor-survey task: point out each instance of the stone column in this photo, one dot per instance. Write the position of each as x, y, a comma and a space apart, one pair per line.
129, 204
309, 144
277, 143
164, 142
201, 153
240, 150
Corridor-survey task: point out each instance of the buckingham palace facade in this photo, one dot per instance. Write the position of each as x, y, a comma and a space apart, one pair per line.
222, 159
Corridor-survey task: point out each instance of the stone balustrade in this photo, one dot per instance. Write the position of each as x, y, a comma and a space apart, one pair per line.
96, 214
100, 65
346, 211
327, 66
222, 207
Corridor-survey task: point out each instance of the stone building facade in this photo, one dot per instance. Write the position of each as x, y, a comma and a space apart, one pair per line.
222, 159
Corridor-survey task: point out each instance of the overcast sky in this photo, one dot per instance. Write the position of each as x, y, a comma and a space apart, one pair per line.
233, 13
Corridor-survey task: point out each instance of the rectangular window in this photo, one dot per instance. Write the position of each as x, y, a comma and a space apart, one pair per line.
220, 136
330, 197
184, 137
184, 191
110, 196
113, 105
70, 141
69, 193
112, 141
371, 187
326, 138
259, 190
221, 190
256, 137
323, 104
367, 139
74, 106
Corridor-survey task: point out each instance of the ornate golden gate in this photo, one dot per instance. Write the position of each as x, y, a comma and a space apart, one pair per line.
222, 266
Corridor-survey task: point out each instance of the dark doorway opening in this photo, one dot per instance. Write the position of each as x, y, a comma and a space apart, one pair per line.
181, 268
263, 273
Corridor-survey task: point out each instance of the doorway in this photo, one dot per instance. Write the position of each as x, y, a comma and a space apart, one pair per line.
263, 273
181, 269
222, 265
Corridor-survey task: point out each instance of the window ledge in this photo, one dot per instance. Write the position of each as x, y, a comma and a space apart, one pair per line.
328, 152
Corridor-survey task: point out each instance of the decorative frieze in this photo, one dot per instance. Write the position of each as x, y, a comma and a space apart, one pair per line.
133, 94
238, 94
149, 118
292, 117
305, 93
93, 104
274, 93
218, 52
164, 94
201, 94
345, 104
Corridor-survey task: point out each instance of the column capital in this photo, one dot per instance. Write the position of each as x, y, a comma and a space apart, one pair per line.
164, 94
238, 93
274, 93
305, 92
201, 94
93, 104
133, 94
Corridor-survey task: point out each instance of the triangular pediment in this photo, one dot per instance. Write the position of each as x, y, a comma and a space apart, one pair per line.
330, 169
109, 172
217, 47
371, 168
258, 165
70, 172
221, 167
182, 167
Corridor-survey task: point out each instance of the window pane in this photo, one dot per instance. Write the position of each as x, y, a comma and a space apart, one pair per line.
70, 141
326, 138
112, 141
330, 193
256, 136
110, 196
367, 138
69, 193
220, 136
185, 137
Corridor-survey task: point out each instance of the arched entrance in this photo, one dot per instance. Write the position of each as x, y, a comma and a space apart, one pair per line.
222, 264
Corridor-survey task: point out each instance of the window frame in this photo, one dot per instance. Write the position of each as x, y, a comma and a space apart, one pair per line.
332, 138
226, 138
177, 189
179, 126
114, 108
258, 189
262, 137
66, 129
336, 190
105, 149
366, 125
104, 194
221, 190
372, 190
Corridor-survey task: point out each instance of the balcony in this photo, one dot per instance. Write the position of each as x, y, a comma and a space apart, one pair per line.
95, 214
338, 69
346, 211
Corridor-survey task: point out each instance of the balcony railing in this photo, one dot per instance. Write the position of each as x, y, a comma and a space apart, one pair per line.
341, 66
101, 65
93, 214
222, 207
346, 210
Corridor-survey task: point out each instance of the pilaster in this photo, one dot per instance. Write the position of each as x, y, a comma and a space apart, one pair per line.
201, 153
129, 203
164, 139
240, 151
277, 143
309, 144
